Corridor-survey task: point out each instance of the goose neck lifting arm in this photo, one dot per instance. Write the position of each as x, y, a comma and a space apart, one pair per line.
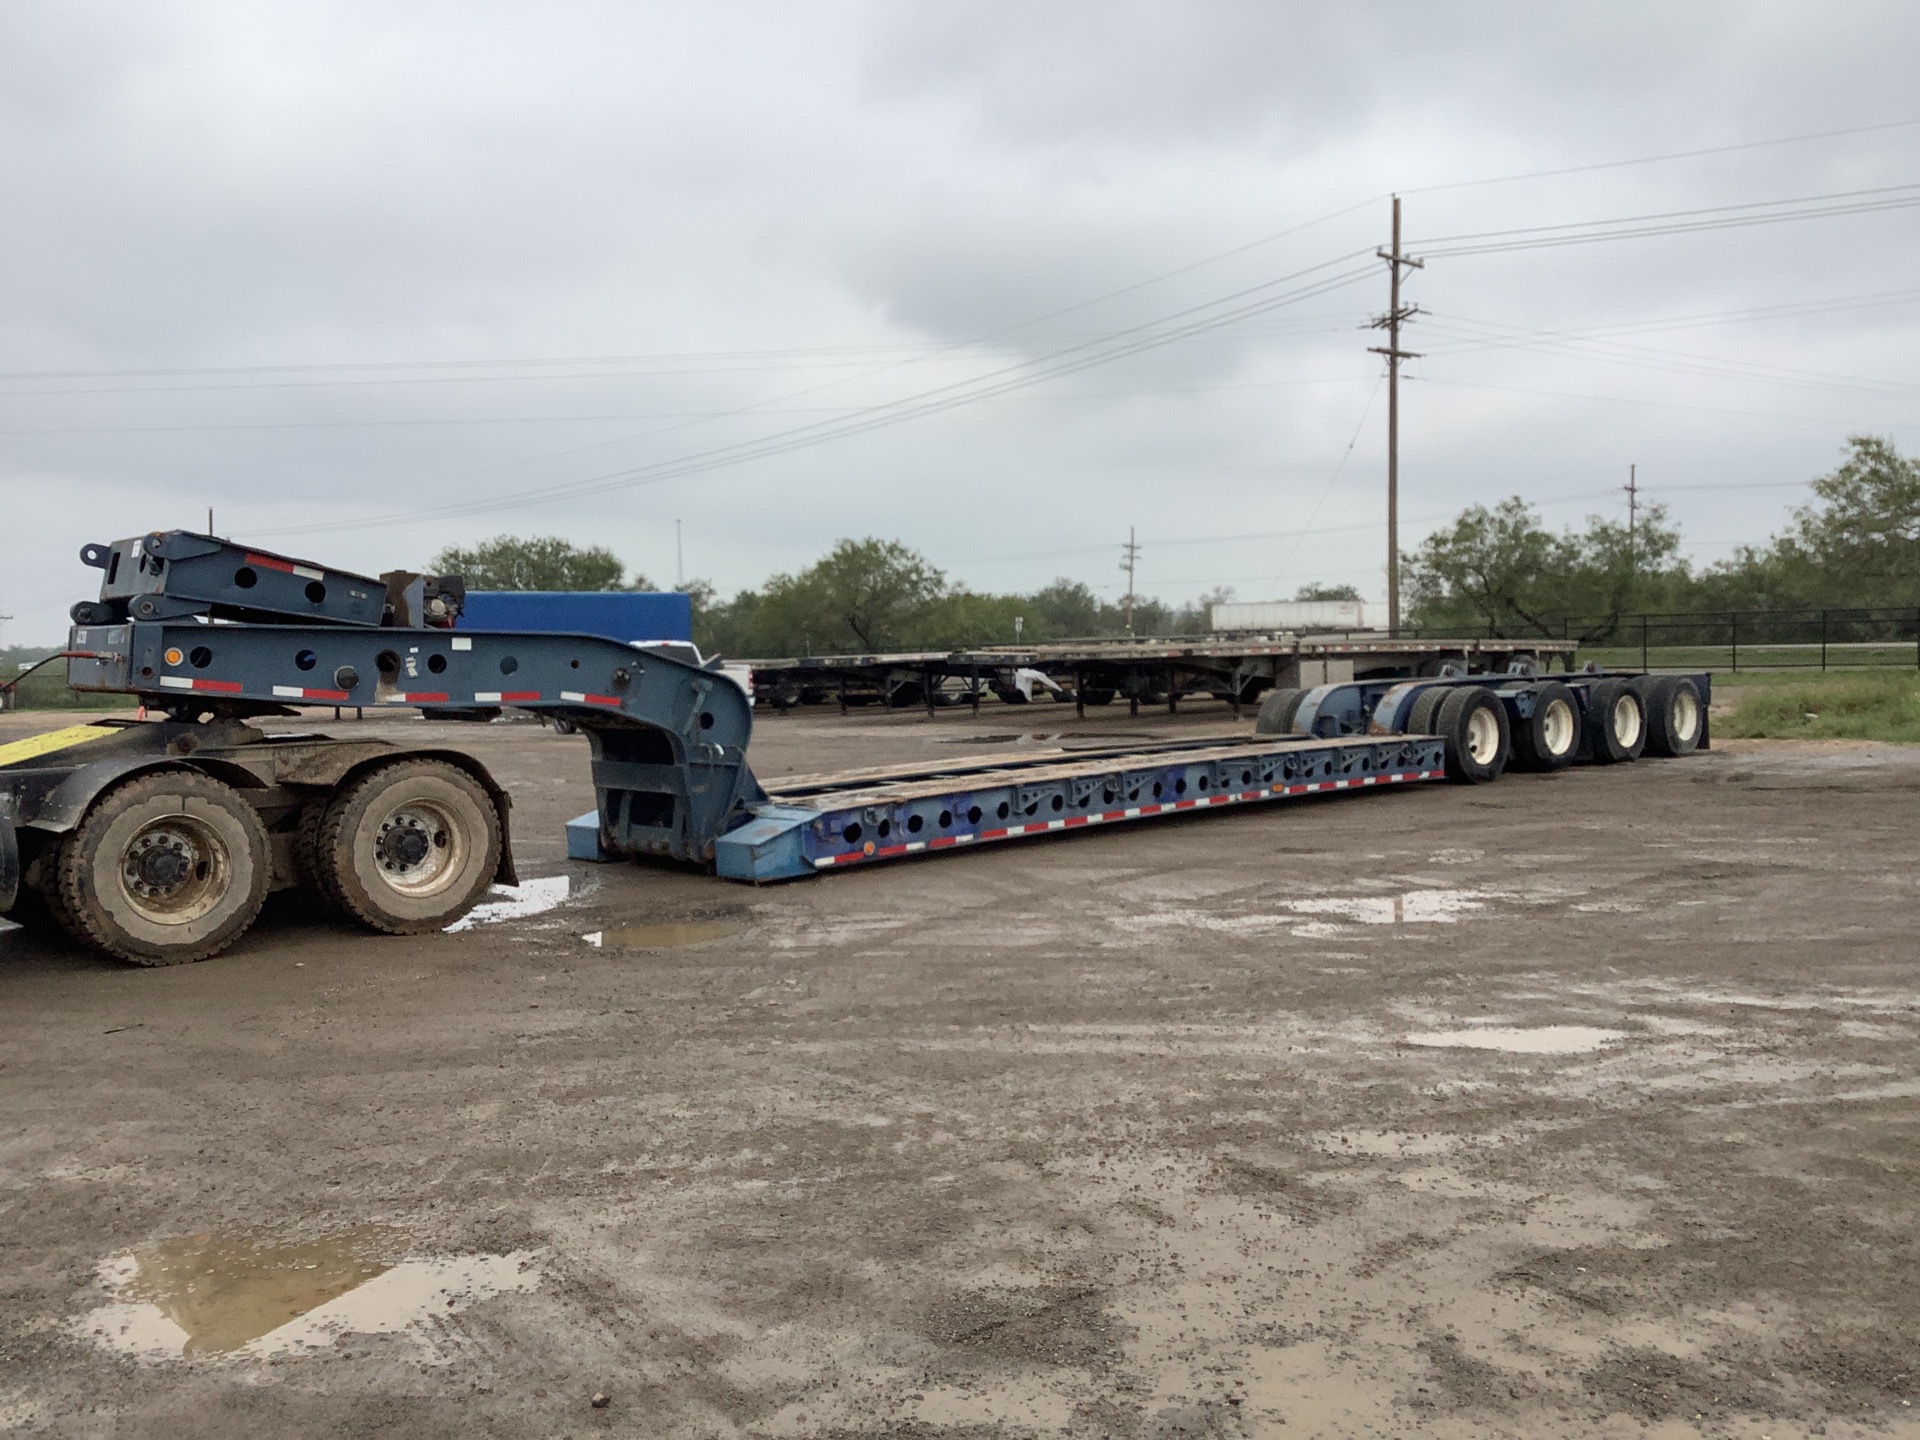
669, 737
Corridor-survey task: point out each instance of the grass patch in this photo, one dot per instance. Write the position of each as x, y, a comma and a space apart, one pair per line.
1830, 707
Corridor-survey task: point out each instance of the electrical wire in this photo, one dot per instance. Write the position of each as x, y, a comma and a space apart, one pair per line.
1672, 222
1667, 361
1663, 159
1332, 480
1121, 344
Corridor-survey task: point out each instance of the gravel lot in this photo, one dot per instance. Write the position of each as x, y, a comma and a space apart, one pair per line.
1573, 1105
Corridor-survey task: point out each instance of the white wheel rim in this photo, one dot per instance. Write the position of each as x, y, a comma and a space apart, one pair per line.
175, 870
1483, 736
1685, 720
402, 832
1556, 727
1626, 721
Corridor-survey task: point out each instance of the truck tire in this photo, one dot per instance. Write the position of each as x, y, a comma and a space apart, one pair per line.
1092, 696
164, 869
408, 847
1616, 722
37, 906
1473, 722
1277, 711
1675, 715
1425, 705
1550, 738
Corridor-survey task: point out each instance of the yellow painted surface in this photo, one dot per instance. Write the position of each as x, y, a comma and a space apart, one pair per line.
38, 745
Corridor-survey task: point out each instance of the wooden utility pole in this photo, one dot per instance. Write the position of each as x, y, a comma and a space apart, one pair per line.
1633, 509
1396, 316
1132, 554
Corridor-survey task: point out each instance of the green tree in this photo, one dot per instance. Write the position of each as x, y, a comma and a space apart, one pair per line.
871, 595
1068, 609
547, 562
1311, 593
1501, 570
1859, 543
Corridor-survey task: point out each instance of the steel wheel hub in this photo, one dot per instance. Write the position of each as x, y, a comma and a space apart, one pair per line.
1556, 727
174, 870
1626, 721
1483, 736
418, 848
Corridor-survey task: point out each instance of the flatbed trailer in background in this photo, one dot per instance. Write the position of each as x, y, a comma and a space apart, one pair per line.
158, 840
1238, 669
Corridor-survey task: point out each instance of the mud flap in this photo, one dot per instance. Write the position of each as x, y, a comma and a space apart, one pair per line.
9, 864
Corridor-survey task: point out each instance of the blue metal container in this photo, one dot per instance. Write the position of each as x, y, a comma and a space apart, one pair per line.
626, 615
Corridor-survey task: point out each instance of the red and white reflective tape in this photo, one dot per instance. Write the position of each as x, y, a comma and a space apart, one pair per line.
296, 692
418, 697
580, 698
286, 567
504, 697
218, 687
870, 851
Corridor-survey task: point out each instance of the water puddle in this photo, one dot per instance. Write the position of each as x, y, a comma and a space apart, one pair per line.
1036, 738
1535, 1040
208, 1295
1416, 907
663, 936
515, 902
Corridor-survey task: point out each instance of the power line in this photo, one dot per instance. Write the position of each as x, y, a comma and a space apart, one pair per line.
1664, 158
1120, 344
1639, 400
558, 368
1674, 222
1679, 362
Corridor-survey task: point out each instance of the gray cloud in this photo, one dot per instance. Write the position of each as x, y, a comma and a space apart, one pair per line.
828, 202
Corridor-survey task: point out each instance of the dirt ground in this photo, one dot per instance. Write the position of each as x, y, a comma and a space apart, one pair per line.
1580, 1105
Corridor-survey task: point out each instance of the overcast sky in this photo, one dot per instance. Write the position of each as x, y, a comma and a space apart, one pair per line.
370, 279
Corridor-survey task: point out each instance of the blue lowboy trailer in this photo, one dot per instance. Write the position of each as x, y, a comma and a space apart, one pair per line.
158, 840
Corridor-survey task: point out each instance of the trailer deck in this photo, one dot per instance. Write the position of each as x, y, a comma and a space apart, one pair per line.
825, 822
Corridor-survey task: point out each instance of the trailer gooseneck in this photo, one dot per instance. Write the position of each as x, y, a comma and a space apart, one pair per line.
158, 841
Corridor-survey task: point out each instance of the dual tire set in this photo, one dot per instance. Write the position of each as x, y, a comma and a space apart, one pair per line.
1541, 724
174, 865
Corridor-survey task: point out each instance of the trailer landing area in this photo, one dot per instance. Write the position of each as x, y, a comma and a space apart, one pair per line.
1554, 1107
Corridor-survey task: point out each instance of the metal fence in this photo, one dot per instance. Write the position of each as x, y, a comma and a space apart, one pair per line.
1743, 639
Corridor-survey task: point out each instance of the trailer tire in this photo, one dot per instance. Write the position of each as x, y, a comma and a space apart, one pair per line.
1092, 696
163, 869
1420, 716
1550, 738
408, 847
1277, 712
1473, 722
1674, 714
37, 906
1616, 722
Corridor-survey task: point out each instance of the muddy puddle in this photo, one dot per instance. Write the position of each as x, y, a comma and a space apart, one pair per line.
515, 902
665, 935
1530, 1040
212, 1295
1415, 907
